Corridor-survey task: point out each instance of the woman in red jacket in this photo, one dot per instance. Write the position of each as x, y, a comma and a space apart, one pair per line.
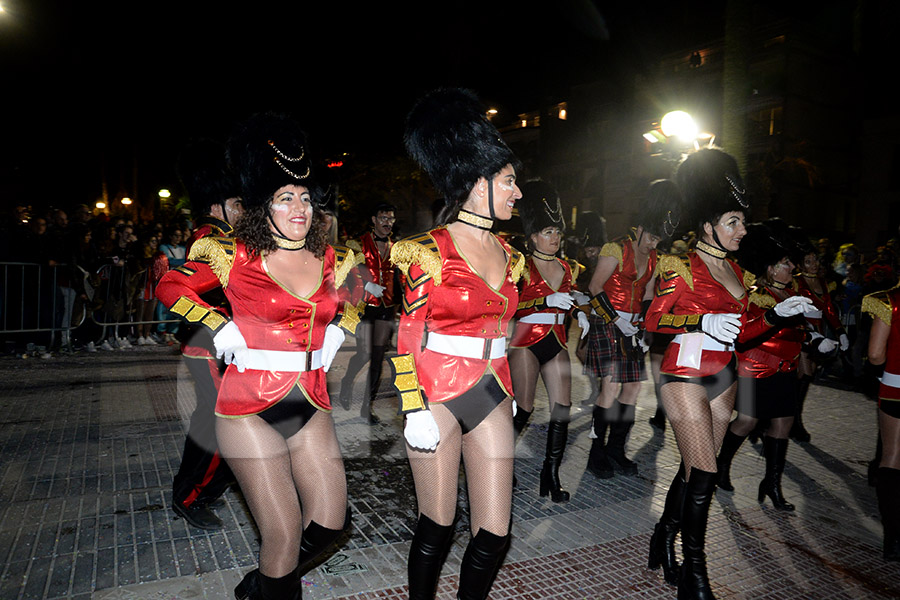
538, 345
274, 423
700, 297
456, 393
767, 365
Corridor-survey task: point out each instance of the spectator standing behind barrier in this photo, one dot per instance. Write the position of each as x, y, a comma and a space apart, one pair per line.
374, 285
174, 251
120, 263
155, 266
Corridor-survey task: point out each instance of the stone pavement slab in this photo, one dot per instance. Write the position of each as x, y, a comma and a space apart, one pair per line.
89, 444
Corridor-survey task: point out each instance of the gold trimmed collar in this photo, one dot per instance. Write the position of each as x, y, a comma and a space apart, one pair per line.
541, 256
288, 244
711, 250
477, 221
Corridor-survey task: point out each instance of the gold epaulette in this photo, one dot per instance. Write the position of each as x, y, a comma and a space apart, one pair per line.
217, 252
517, 262
761, 297
832, 285
354, 245
677, 264
878, 305
577, 268
613, 250
419, 250
749, 280
344, 261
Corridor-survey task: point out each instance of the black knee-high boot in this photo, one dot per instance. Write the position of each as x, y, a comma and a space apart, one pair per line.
888, 490
662, 543
798, 431
618, 435
520, 420
480, 565
426, 556
658, 419
557, 434
289, 587
775, 451
316, 539
730, 446
598, 462
694, 581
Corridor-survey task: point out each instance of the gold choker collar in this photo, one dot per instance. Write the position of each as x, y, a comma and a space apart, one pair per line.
778, 285
287, 244
541, 256
477, 221
711, 250
810, 275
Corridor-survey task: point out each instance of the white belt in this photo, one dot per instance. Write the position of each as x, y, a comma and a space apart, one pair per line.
813, 313
280, 360
544, 318
467, 347
709, 344
891, 379
630, 317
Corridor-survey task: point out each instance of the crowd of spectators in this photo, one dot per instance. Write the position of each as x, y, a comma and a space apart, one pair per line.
101, 269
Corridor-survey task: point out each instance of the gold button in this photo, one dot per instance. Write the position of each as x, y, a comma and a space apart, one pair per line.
288, 340
305, 325
488, 302
290, 324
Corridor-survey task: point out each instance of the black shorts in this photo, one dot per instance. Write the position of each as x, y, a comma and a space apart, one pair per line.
546, 349
890, 407
290, 414
379, 313
768, 397
474, 405
713, 384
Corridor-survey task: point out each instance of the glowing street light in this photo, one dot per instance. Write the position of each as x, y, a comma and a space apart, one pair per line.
126, 201
679, 124
164, 193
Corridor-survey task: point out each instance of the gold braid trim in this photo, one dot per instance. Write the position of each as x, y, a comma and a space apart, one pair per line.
518, 266
878, 305
419, 250
354, 245
679, 264
760, 297
749, 280
613, 250
345, 260
350, 316
218, 253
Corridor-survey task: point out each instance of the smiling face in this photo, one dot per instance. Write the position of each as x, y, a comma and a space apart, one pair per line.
729, 229
782, 271
810, 263
506, 192
292, 211
547, 240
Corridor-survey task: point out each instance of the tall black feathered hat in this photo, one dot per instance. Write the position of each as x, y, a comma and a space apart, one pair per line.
591, 229
448, 133
539, 207
269, 151
711, 185
761, 248
204, 173
660, 209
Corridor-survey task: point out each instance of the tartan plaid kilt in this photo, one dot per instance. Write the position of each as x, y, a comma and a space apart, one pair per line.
605, 355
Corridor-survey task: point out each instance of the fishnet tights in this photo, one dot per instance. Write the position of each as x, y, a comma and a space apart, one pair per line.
272, 472
699, 423
487, 453
556, 373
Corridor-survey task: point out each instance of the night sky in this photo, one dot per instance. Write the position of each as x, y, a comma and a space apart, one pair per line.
81, 81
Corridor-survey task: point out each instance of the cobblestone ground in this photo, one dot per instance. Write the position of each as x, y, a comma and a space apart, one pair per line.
89, 444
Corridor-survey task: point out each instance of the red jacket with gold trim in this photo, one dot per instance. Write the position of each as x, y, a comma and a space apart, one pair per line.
445, 295
685, 291
269, 316
531, 296
885, 305
376, 269
624, 288
824, 303
777, 350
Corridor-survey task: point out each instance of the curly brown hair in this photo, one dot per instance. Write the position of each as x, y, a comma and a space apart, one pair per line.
254, 230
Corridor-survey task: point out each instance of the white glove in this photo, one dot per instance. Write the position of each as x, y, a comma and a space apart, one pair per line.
725, 327
515, 407
625, 326
645, 340
421, 431
334, 338
583, 322
795, 305
560, 300
581, 298
826, 345
231, 344
375, 289
845, 342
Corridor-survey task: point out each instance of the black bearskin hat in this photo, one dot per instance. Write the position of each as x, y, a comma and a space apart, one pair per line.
270, 151
761, 248
802, 244
591, 229
205, 175
539, 207
660, 209
449, 135
711, 186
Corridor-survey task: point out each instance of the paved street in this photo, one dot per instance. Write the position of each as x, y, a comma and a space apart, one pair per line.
89, 444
